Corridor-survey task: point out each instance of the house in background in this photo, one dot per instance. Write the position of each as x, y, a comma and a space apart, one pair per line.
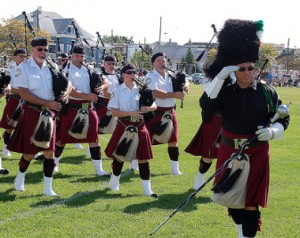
62, 32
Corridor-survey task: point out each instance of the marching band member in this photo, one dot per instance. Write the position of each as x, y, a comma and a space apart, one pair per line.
107, 122
206, 141
13, 101
108, 71
35, 86
160, 82
5, 88
63, 59
245, 108
80, 123
131, 139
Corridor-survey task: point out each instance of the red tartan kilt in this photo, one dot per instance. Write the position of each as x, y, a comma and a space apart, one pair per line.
259, 176
20, 139
101, 112
144, 150
204, 142
9, 109
66, 122
156, 119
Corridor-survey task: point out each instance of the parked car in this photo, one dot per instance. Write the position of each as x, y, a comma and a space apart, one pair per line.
188, 78
198, 78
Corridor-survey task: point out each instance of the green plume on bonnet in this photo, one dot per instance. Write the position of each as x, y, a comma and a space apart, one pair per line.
259, 25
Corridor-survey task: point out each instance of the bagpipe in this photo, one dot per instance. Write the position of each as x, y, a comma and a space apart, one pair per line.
44, 128
99, 39
59, 85
201, 56
230, 190
147, 98
5, 80
178, 81
146, 95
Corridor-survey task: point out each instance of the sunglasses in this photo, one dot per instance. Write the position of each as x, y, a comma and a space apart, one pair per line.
64, 60
41, 49
110, 63
249, 68
130, 72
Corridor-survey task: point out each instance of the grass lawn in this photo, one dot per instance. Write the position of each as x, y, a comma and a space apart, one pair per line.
87, 208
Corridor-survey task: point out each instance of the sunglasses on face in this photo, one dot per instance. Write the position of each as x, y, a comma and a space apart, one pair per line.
249, 68
110, 63
130, 72
41, 49
63, 60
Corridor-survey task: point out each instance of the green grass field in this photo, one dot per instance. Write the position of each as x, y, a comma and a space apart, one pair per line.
87, 208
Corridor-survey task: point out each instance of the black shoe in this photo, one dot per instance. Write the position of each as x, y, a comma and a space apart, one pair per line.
154, 195
4, 171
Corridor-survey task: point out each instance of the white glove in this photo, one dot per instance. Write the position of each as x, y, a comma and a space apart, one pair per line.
224, 73
274, 132
215, 86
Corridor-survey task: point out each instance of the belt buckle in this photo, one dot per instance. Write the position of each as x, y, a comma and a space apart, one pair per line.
134, 119
238, 143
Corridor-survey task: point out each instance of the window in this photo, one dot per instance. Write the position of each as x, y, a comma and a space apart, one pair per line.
70, 30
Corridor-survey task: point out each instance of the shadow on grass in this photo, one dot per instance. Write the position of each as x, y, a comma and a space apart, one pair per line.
78, 159
82, 198
6, 196
170, 201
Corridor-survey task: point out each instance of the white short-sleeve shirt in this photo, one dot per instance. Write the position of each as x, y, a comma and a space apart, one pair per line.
155, 81
37, 80
80, 79
125, 99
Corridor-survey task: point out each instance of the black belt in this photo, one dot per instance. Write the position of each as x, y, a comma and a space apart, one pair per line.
129, 118
16, 96
35, 106
162, 112
237, 143
80, 105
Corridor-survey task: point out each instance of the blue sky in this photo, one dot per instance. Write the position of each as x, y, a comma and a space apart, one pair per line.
181, 20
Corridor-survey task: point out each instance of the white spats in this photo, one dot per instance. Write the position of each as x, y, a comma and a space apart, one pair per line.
114, 183
78, 146
239, 230
199, 180
134, 164
147, 189
48, 191
20, 181
98, 168
175, 167
56, 161
5, 152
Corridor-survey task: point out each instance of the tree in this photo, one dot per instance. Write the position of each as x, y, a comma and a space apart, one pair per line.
288, 60
12, 36
117, 39
189, 60
267, 51
141, 60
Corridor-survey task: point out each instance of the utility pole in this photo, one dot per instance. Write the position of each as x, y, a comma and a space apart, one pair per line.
287, 56
159, 40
